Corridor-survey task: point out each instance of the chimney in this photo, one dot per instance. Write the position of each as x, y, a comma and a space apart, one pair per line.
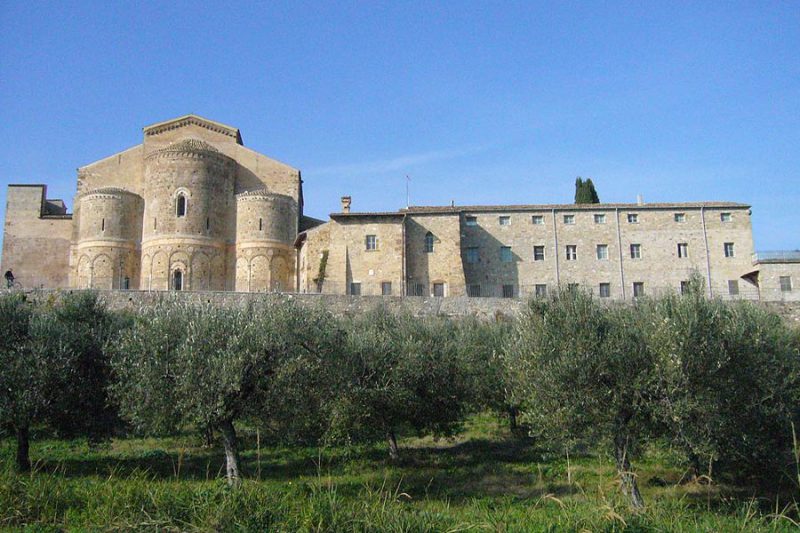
639, 199
346, 201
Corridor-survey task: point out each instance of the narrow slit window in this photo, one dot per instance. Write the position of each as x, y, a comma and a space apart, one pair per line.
260, 224
180, 207
208, 224
103, 225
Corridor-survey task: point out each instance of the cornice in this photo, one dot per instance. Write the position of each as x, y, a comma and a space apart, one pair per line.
192, 120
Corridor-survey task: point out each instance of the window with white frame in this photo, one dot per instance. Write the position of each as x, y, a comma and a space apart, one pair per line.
537, 220
538, 253
355, 288
540, 290
725, 217
471, 220
572, 252
472, 255
386, 288
505, 254
602, 252
728, 249
371, 242
569, 219
680, 217
683, 250
633, 218
636, 251
504, 220
599, 218
786, 283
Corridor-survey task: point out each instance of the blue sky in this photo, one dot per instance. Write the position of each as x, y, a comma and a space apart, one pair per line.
478, 102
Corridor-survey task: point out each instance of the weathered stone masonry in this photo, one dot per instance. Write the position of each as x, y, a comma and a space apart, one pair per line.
192, 209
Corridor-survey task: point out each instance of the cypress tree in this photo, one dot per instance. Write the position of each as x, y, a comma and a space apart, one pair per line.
591, 192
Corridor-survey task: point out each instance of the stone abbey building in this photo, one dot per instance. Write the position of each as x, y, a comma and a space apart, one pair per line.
191, 208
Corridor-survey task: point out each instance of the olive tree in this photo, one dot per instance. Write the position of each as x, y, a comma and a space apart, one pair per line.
36, 369
400, 372
583, 371
729, 378
207, 366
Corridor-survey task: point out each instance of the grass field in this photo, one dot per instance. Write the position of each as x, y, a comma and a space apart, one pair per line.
483, 480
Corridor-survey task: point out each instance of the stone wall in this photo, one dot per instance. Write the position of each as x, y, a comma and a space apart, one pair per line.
36, 245
654, 231
482, 308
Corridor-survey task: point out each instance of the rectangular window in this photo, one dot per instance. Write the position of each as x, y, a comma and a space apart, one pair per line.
733, 287
569, 219
538, 253
438, 290
472, 255
633, 218
680, 217
471, 220
572, 252
602, 252
372, 242
505, 220
728, 247
605, 290
572, 287
474, 291
636, 251
508, 291
683, 250
505, 254
540, 290
386, 288
684, 287
638, 289
600, 219
537, 219
355, 288
418, 289
786, 283
725, 217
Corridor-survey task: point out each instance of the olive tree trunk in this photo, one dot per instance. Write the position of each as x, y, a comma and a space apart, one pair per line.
394, 452
629, 485
231, 452
23, 446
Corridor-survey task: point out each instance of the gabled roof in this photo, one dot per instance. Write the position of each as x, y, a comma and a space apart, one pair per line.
185, 120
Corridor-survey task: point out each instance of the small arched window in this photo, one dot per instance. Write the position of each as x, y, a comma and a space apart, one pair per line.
177, 280
180, 206
429, 242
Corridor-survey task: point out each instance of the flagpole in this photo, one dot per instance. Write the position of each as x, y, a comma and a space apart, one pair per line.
407, 197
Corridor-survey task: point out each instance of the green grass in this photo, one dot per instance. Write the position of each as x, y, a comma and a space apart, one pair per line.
483, 480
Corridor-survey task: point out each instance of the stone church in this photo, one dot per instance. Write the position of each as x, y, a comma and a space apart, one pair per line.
192, 208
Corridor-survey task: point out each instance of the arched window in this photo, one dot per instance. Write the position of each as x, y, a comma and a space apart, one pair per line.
180, 206
429, 242
177, 280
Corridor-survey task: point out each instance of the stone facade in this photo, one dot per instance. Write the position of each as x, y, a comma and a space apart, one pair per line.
191, 208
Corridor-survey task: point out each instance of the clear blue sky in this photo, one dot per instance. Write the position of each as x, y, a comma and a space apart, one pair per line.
479, 102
